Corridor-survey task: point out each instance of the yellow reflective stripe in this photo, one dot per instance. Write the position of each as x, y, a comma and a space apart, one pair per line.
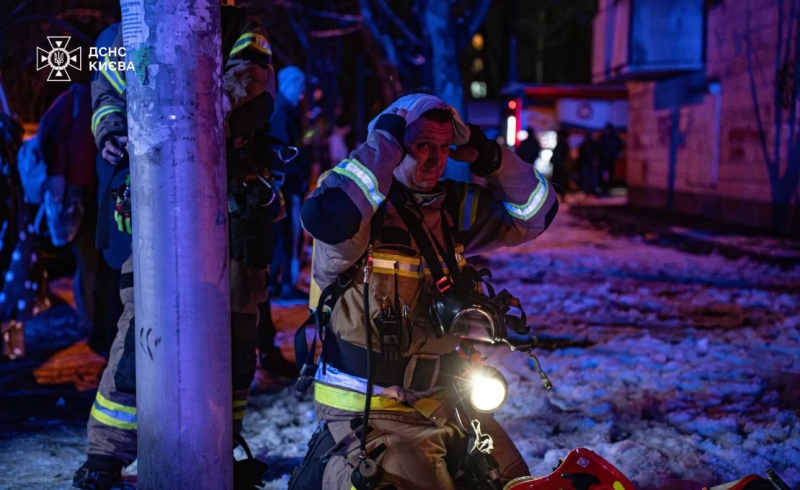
115, 80
396, 258
105, 403
361, 175
354, 402
102, 112
314, 291
107, 420
535, 201
239, 403
400, 272
239, 415
252, 40
409, 267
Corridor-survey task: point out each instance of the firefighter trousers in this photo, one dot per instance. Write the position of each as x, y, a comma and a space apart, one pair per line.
112, 422
411, 452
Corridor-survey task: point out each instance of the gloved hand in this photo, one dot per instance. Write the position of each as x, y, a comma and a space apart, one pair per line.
114, 148
410, 108
483, 154
122, 209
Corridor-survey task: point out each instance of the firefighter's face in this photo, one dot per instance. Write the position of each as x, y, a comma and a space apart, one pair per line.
428, 145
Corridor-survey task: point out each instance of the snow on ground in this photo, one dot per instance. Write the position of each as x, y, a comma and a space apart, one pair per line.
670, 365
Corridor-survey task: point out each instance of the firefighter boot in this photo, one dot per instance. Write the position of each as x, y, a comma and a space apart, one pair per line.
98, 473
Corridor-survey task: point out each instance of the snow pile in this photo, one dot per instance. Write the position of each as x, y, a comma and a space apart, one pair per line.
670, 365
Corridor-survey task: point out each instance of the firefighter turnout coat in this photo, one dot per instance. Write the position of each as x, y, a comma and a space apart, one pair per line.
514, 206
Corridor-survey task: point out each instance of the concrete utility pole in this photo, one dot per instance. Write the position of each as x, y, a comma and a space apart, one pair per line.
180, 244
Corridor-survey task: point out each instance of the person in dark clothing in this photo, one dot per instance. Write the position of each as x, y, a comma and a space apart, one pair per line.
117, 244
609, 147
529, 149
587, 163
275, 372
69, 151
285, 124
559, 160
23, 284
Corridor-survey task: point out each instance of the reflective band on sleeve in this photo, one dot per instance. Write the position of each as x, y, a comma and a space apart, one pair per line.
104, 402
365, 179
239, 409
101, 113
254, 41
469, 207
538, 197
113, 77
113, 414
354, 402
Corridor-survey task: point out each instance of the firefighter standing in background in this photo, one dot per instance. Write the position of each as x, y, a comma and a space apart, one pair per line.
412, 436
249, 88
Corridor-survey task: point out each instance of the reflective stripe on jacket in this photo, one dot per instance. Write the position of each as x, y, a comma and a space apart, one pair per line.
516, 206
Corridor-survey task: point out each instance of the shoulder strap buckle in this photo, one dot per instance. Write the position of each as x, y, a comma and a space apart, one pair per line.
444, 284
307, 373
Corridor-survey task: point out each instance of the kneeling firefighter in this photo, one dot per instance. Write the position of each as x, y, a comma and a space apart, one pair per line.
413, 409
254, 204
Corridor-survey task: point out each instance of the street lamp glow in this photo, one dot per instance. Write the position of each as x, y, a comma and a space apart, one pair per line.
511, 131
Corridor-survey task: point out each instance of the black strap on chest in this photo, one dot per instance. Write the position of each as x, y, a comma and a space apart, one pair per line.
304, 354
399, 198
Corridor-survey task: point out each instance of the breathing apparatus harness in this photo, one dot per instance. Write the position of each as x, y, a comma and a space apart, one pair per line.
458, 307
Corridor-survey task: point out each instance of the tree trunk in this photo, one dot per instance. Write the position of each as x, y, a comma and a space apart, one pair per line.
447, 83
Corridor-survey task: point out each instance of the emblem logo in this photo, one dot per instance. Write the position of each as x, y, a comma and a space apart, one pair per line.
58, 58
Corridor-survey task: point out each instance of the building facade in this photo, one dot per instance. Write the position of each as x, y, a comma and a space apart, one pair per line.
713, 115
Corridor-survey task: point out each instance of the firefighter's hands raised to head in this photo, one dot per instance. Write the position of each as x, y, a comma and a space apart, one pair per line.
114, 148
482, 154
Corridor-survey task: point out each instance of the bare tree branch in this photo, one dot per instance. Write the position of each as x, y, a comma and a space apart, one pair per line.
59, 22
413, 39
477, 17
337, 32
754, 94
320, 13
384, 39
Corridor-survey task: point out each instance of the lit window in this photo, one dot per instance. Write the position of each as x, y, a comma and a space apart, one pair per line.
477, 42
478, 90
477, 65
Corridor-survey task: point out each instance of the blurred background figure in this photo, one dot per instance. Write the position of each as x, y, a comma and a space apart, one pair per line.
70, 203
286, 125
529, 149
274, 371
559, 160
587, 165
337, 146
609, 148
23, 289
